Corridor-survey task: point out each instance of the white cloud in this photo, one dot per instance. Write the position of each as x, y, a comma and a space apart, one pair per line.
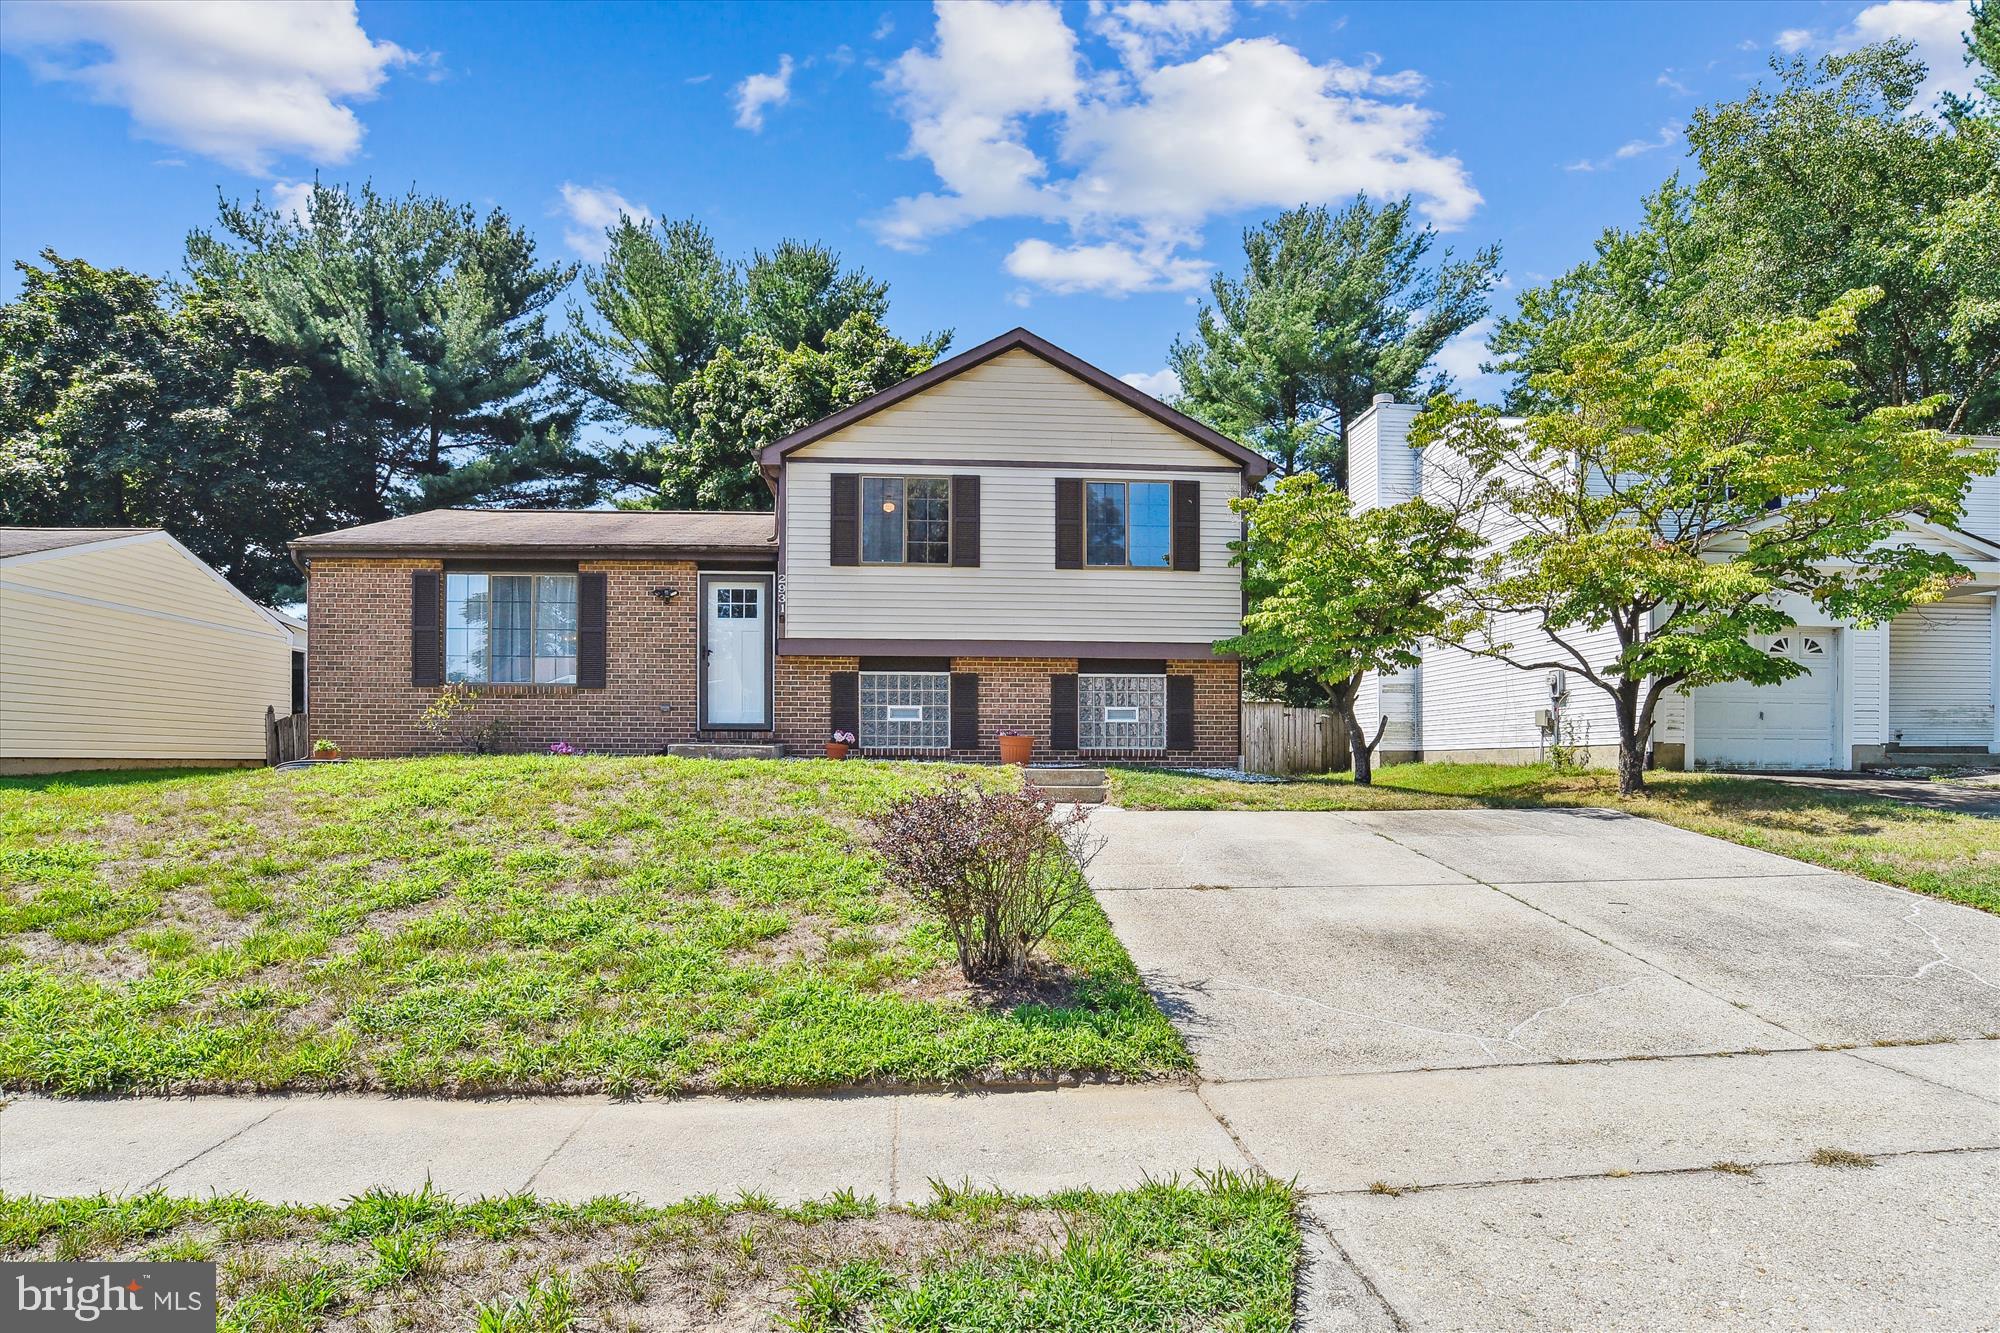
291, 198
1142, 31
1669, 135
759, 91
1793, 40
243, 84
592, 210
1460, 357
1110, 269
1672, 84
1162, 384
1017, 123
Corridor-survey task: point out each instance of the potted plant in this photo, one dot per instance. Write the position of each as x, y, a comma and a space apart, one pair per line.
836, 745
1016, 746
325, 749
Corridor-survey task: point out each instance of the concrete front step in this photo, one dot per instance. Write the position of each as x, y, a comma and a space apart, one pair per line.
713, 750
1040, 773
1072, 795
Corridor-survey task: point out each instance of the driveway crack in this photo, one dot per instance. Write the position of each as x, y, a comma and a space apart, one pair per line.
1943, 959
225, 1139
564, 1142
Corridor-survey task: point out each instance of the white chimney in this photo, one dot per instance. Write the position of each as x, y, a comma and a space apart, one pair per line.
1381, 466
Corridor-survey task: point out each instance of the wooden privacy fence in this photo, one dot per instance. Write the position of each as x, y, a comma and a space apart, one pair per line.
1279, 739
284, 737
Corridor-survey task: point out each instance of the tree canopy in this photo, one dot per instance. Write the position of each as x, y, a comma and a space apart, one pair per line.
712, 357
1830, 182
1678, 496
1331, 309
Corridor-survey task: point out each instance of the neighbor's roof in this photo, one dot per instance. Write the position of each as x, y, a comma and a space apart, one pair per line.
1020, 339
548, 532
27, 541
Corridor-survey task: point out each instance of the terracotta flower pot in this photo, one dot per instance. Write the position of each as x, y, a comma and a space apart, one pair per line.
1016, 749
326, 754
836, 750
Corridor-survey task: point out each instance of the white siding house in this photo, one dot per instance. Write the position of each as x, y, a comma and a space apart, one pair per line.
1924, 685
119, 647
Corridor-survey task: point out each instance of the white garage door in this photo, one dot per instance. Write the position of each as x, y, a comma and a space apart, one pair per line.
1787, 725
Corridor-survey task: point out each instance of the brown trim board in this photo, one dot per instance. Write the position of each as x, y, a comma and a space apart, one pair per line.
1080, 648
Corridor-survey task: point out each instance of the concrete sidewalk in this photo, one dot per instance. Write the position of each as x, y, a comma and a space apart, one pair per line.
308, 1149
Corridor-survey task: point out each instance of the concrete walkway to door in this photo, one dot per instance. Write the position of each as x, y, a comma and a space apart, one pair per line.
1504, 1053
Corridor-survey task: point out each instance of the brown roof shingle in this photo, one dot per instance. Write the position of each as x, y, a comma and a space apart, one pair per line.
531, 532
27, 541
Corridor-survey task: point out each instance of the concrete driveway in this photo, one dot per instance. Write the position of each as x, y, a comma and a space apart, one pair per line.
1505, 1051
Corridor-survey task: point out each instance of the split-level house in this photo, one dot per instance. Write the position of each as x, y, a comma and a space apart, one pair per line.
1013, 539
1923, 687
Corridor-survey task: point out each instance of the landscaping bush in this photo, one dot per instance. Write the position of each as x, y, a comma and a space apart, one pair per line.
1001, 868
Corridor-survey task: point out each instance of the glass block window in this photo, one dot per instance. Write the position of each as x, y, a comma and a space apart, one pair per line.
906, 520
1121, 712
906, 710
510, 629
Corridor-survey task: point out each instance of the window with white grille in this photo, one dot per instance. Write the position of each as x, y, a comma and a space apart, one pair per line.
1121, 712
905, 710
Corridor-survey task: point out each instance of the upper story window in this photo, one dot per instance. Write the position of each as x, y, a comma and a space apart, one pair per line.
510, 629
906, 520
1128, 523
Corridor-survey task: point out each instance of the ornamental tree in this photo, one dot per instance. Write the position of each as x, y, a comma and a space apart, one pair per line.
1337, 593
1676, 496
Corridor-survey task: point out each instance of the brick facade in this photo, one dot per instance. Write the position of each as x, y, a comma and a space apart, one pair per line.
360, 695
358, 678
1014, 692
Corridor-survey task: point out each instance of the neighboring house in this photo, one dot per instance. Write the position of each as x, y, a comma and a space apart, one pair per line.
120, 648
1012, 539
1926, 683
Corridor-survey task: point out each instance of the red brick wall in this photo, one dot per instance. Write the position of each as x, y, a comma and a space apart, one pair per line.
359, 691
358, 674
1014, 692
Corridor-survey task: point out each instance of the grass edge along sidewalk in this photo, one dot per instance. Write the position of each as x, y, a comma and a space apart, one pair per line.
1220, 1251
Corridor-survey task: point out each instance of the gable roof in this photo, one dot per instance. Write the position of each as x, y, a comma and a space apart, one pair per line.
545, 532
1252, 462
28, 541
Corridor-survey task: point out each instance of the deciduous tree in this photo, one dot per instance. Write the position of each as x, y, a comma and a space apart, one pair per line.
1679, 496
1336, 593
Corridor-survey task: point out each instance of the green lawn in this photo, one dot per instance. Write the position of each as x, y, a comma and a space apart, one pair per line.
536, 923
1948, 855
1220, 1253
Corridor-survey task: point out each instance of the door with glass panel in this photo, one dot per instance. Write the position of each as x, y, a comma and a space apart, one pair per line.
736, 653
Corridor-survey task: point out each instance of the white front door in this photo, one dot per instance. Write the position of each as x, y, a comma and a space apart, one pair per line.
1786, 725
737, 656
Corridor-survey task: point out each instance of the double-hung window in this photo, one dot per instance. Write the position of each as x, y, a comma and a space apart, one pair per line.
1121, 713
906, 520
1128, 523
905, 710
510, 629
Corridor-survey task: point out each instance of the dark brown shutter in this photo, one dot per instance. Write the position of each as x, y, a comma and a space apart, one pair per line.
1062, 712
1180, 712
1187, 525
1069, 523
426, 629
591, 630
844, 528
964, 710
965, 521
843, 690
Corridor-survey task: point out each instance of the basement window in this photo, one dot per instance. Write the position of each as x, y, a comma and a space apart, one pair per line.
1121, 713
905, 710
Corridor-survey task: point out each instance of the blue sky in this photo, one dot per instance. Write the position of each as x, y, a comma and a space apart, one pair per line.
1077, 168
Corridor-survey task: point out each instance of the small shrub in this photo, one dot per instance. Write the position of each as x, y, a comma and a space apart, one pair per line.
1000, 868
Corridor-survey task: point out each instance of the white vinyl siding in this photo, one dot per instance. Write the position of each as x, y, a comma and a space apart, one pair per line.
1029, 423
134, 651
1941, 674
